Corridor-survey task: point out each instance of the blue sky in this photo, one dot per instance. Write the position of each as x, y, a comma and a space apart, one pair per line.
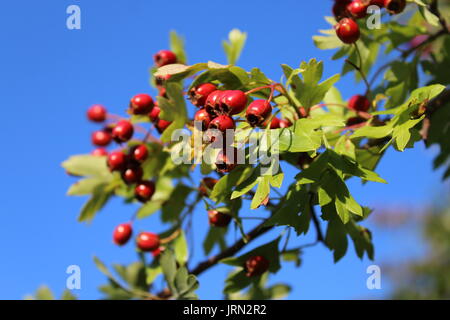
50, 75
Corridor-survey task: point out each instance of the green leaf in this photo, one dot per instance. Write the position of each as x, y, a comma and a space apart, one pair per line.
86, 165
177, 47
153, 271
297, 201
215, 237
262, 191
87, 186
175, 203
100, 196
233, 47
181, 248
309, 91
429, 16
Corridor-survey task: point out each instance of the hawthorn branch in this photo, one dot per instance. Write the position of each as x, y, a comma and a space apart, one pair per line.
320, 237
256, 232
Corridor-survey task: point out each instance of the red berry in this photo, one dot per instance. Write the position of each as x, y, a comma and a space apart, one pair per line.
163, 92
132, 174
101, 138
164, 57
200, 93
99, 152
141, 104
213, 101
257, 112
144, 191
139, 153
156, 253
340, 8
123, 131
97, 113
162, 125
218, 219
347, 30
147, 241
256, 265
359, 103
279, 123
122, 233
154, 114
203, 117
395, 6
225, 162
222, 123
233, 102
116, 161
206, 185
357, 9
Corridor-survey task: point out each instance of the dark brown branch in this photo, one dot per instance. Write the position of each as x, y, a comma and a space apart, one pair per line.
320, 237
232, 250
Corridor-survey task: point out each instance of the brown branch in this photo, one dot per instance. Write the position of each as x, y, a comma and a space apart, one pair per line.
320, 237
430, 39
232, 250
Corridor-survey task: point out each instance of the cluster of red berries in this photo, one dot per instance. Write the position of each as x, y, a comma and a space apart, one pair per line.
127, 163
145, 241
347, 11
216, 108
121, 131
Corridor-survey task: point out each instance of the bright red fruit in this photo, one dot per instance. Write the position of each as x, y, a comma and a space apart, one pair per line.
256, 265
257, 112
204, 117
144, 191
141, 104
162, 125
139, 153
213, 101
222, 123
154, 114
225, 162
357, 9
116, 161
279, 123
359, 103
395, 6
132, 174
164, 57
123, 131
233, 102
347, 30
101, 138
147, 241
97, 113
99, 152
218, 219
122, 233
200, 93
